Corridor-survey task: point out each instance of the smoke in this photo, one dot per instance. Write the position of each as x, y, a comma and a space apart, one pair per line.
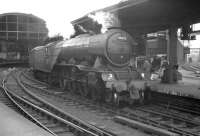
106, 19
82, 29
78, 29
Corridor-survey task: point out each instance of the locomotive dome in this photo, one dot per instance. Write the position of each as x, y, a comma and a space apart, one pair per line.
119, 48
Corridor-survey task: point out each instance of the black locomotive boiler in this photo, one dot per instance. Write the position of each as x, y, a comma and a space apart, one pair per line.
94, 66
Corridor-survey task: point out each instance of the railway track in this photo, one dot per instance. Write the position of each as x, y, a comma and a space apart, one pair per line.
75, 105
162, 118
195, 68
187, 105
42, 113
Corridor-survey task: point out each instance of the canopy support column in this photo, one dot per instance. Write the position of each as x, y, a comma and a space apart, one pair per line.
172, 52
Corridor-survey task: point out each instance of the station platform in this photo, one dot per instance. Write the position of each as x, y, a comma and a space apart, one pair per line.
13, 124
189, 86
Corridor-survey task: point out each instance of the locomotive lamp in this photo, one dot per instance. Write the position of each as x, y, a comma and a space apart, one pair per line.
142, 75
108, 77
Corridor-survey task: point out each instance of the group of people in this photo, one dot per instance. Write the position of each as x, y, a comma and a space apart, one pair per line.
158, 67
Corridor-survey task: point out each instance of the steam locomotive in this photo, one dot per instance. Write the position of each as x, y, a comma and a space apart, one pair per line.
94, 66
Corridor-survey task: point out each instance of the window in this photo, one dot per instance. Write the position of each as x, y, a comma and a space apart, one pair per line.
33, 27
11, 18
22, 19
3, 35
22, 35
3, 19
12, 35
12, 27
2, 26
22, 27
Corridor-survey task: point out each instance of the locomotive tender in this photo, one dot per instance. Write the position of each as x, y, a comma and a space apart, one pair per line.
94, 66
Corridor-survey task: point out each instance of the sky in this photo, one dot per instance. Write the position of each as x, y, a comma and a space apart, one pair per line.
195, 43
57, 13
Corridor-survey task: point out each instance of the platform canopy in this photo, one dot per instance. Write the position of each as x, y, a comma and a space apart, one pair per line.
145, 16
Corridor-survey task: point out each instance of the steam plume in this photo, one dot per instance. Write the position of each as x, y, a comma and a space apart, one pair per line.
106, 19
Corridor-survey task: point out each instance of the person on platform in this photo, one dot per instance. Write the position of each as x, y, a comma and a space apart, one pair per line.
163, 66
155, 64
163, 62
176, 74
147, 69
132, 63
165, 73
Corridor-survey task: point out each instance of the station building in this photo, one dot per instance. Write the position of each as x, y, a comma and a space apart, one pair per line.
19, 33
157, 45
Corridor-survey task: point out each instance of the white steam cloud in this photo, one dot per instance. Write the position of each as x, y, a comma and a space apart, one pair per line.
106, 19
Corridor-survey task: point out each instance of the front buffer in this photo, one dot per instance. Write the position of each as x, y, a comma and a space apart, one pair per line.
122, 91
